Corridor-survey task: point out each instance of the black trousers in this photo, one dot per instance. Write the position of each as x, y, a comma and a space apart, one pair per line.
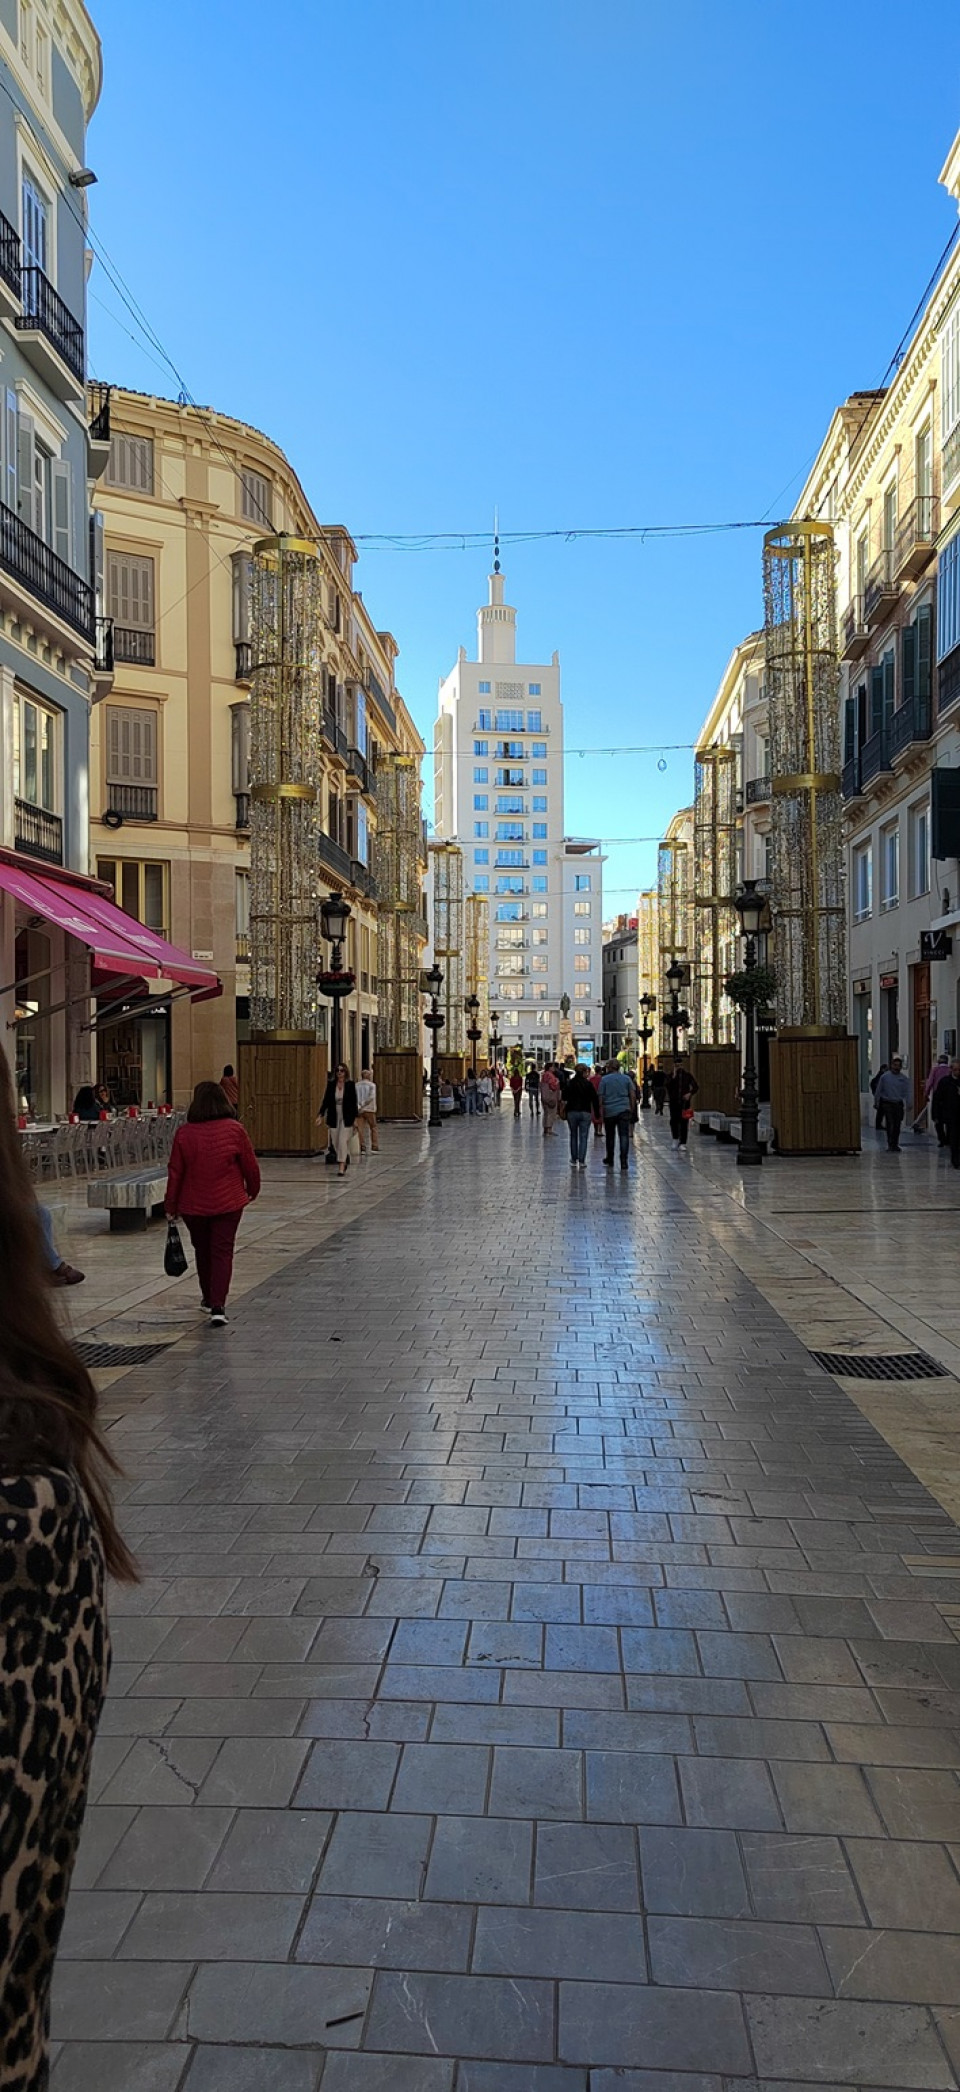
893, 1120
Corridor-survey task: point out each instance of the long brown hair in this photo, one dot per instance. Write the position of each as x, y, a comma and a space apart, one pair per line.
48, 1403
209, 1102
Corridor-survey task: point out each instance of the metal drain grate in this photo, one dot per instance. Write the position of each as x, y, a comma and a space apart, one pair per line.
118, 1354
894, 1365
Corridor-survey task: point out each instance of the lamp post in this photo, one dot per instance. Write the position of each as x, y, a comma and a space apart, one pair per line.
676, 1018
433, 1020
472, 1005
627, 1022
750, 905
495, 1037
337, 980
647, 1003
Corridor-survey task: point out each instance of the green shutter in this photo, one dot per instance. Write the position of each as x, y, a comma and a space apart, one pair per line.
876, 700
924, 631
908, 661
889, 667
849, 730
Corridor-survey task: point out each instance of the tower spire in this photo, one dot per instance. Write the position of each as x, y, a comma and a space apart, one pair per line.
496, 540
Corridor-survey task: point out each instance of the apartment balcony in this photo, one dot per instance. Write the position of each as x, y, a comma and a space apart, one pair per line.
359, 770
98, 429
854, 636
759, 791
243, 661
334, 858
913, 722
376, 690
29, 561
133, 802
333, 734
948, 681
850, 782
874, 757
880, 590
103, 656
37, 833
241, 801
916, 537
501, 865
421, 928
50, 336
133, 645
10, 288
362, 878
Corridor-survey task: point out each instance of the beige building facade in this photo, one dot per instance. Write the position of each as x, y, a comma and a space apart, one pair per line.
186, 495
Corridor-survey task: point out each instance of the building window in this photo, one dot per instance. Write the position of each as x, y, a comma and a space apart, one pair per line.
480, 829
539, 777
484, 721
481, 857
131, 463
581, 882
139, 889
256, 499
583, 907
919, 850
862, 883
35, 207
481, 774
581, 964
538, 748
890, 866
484, 689
510, 803
540, 936
510, 913
950, 395
533, 690
539, 908
534, 721
540, 831
509, 857
513, 885
510, 832
481, 801
132, 763
538, 964
510, 940
539, 803
509, 722
130, 600
948, 599
539, 857
539, 885
481, 883
581, 936
889, 516
481, 748
242, 913
580, 1017
36, 766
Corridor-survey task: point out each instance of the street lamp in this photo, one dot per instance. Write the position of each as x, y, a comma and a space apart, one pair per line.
335, 981
627, 1022
472, 1005
434, 1019
750, 905
647, 1003
677, 1019
495, 1036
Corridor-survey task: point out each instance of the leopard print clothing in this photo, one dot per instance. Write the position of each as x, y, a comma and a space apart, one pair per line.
54, 1659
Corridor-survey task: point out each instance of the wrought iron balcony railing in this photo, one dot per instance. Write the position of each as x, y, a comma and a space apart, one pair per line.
37, 833
10, 256
377, 692
913, 722
850, 784
334, 857
25, 556
44, 309
358, 769
854, 636
334, 733
136, 802
948, 681
917, 535
98, 412
758, 790
874, 756
103, 643
362, 878
132, 644
881, 588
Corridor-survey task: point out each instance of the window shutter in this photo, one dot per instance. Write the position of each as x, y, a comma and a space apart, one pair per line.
876, 700
26, 483
924, 631
148, 746
889, 667
61, 490
10, 451
118, 594
114, 772
242, 567
97, 560
908, 661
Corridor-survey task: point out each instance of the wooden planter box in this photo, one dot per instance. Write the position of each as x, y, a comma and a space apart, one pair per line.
452, 1066
399, 1080
815, 1095
717, 1070
282, 1082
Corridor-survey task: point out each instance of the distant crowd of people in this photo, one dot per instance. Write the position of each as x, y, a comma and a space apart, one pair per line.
604, 1099
941, 1099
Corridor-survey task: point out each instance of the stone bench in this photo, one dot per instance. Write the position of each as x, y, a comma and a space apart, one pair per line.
131, 1200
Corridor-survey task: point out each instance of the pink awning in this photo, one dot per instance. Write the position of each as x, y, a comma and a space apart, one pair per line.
121, 946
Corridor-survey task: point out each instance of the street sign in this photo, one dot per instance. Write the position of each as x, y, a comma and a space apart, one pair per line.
935, 944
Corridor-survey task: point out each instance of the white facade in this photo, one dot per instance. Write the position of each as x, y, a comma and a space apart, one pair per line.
498, 762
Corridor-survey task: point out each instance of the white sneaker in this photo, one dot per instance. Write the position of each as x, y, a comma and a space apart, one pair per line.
218, 1319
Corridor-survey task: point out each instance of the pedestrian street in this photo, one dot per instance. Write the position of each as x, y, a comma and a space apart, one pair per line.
545, 1676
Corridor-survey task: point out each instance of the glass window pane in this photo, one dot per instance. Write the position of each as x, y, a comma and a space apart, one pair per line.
153, 896
130, 889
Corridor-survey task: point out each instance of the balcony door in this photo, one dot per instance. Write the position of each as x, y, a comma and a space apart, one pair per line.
36, 217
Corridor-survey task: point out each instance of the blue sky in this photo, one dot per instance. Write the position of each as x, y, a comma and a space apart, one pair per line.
598, 265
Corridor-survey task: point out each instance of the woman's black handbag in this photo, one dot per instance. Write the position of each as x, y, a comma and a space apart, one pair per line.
174, 1255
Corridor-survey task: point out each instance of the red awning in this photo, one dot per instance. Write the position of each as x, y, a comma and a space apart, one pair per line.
122, 947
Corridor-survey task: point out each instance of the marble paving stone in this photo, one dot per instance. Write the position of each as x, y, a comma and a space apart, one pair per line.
906, 1884
553, 1943
877, 2044
692, 1873
609, 2023
270, 2002
463, 2015
376, 1932
216, 2069
120, 2066
271, 1849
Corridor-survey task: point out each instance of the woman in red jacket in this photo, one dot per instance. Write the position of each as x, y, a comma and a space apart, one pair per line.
213, 1174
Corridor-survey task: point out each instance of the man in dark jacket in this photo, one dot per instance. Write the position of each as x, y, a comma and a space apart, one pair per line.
948, 1107
581, 1108
681, 1090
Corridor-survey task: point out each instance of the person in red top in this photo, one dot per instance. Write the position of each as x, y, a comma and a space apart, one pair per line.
213, 1174
230, 1087
516, 1086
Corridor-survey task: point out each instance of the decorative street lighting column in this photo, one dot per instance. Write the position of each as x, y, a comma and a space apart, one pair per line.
675, 1018
472, 1005
495, 1037
627, 1036
433, 1020
338, 980
750, 906
647, 1003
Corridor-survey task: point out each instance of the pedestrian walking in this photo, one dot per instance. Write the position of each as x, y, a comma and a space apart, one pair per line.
470, 1094
516, 1091
893, 1091
658, 1085
230, 1087
550, 1098
595, 1079
60, 1273
581, 1111
367, 1128
484, 1091
931, 1096
212, 1175
533, 1090
339, 1110
58, 1536
617, 1099
878, 1106
948, 1096
681, 1090
498, 1082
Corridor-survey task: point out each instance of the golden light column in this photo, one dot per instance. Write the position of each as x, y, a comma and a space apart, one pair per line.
285, 768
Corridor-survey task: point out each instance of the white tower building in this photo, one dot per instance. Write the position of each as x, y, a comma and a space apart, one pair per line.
498, 763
